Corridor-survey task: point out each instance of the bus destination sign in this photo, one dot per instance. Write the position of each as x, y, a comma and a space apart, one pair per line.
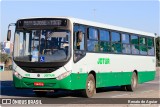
42, 23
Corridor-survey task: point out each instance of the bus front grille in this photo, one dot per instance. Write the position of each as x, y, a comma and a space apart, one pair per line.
39, 70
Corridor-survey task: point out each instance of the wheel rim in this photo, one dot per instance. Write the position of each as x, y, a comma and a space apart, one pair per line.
90, 86
134, 81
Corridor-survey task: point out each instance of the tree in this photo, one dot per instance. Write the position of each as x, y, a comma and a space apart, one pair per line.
158, 50
3, 57
0, 47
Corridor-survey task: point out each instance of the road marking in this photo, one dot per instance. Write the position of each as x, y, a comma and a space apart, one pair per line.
128, 94
147, 91
155, 81
119, 95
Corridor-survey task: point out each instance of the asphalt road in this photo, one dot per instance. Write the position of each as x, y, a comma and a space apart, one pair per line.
147, 90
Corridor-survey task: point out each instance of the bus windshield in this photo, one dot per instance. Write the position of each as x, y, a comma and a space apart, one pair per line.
43, 45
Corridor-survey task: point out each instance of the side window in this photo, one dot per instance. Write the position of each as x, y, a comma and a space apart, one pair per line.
126, 48
104, 42
135, 44
116, 42
104, 35
150, 46
143, 50
135, 49
92, 45
142, 41
125, 38
115, 37
143, 47
105, 46
134, 39
116, 47
79, 42
79, 34
93, 34
150, 41
92, 42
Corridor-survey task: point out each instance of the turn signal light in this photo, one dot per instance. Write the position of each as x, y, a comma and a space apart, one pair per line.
63, 75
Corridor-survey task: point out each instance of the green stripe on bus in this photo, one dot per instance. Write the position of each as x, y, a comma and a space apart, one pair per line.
146, 76
78, 80
122, 78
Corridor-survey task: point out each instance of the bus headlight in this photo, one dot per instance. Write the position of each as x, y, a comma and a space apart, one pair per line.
63, 75
17, 75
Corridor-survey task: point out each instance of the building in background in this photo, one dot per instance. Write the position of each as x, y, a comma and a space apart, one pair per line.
6, 47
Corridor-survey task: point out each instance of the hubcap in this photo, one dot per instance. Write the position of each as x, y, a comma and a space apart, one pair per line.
134, 81
90, 86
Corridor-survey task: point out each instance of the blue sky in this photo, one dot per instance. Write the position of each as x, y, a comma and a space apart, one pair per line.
139, 15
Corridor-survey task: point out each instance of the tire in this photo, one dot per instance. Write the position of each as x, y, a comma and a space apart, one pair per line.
90, 87
40, 93
134, 83
123, 88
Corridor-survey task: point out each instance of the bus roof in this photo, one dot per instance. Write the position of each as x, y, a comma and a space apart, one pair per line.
102, 25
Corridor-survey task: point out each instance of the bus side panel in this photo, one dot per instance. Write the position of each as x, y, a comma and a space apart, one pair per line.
78, 80
113, 79
118, 71
146, 76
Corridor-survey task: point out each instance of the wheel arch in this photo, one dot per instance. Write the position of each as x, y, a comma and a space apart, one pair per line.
136, 72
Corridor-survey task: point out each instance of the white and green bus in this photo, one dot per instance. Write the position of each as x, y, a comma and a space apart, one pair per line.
74, 54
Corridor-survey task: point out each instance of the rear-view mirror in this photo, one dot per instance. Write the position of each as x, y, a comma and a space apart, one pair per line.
8, 35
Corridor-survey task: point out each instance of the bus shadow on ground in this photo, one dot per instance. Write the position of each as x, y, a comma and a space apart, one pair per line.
109, 89
77, 93
8, 89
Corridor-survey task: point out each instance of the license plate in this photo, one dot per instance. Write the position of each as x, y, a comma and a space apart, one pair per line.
38, 84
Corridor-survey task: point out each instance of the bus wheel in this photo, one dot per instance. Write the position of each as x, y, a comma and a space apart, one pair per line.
90, 87
134, 83
123, 88
40, 93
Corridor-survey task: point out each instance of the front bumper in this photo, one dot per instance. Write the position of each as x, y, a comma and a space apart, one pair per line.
71, 82
49, 83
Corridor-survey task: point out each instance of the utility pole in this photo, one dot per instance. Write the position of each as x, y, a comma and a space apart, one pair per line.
94, 13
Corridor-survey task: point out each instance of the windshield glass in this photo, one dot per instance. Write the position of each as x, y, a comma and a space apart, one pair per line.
42, 45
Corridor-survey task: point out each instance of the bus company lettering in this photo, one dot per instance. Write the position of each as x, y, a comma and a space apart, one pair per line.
48, 75
103, 61
27, 75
